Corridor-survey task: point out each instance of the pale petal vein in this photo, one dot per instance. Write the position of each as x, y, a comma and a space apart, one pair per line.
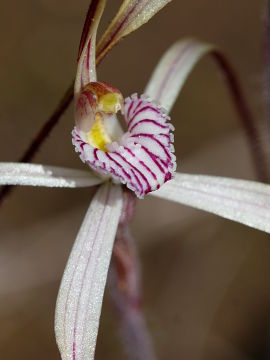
243, 201
173, 69
81, 292
131, 15
48, 176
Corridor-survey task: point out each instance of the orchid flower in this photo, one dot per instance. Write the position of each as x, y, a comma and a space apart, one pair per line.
134, 156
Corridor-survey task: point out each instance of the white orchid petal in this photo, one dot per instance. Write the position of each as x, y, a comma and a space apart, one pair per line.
173, 69
49, 176
86, 71
81, 292
131, 15
243, 201
143, 158
169, 77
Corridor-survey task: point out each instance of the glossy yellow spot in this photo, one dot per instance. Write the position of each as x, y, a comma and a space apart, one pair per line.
110, 103
98, 136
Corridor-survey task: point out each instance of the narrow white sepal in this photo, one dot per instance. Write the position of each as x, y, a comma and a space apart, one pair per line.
131, 16
243, 201
49, 176
81, 292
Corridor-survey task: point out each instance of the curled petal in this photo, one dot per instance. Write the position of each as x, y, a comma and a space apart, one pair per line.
49, 176
81, 292
143, 159
86, 70
173, 69
243, 201
171, 73
131, 15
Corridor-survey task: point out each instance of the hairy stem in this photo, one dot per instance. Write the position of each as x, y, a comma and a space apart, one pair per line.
125, 287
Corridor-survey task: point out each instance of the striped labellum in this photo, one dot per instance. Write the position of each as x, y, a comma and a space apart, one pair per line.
142, 156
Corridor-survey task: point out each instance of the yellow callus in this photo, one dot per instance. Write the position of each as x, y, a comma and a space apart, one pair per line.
98, 136
110, 103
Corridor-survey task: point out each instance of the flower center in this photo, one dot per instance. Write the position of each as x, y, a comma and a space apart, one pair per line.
95, 113
142, 158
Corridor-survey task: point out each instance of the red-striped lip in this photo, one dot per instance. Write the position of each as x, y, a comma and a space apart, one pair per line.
143, 158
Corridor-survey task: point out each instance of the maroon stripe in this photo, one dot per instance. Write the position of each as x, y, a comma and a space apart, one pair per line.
138, 104
116, 162
124, 171
134, 167
138, 181
142, 163
130, 107
110, 39
153, 158
87, 24
145, 108
128, 150
167, 136
100, 167
122, 24
117, 174
149, 121
95, 154
148, 169
150, 136
168, 176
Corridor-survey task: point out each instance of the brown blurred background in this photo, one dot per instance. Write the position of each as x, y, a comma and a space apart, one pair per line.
206, 280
